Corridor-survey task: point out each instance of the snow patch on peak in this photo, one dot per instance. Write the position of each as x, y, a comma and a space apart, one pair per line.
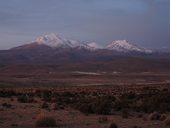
52, 40
125, 46
122, 43
94, 45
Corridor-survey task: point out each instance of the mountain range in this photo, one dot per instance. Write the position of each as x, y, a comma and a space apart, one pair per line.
56, 42
63, 54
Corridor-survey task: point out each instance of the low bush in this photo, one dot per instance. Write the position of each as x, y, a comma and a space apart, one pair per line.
6, 105
46, 95
113, 125
125, 114
45, 121
25, 99
44, 105
103, 119
163, 117
54, 106
155, 116
7, 93
167, 121
99, 105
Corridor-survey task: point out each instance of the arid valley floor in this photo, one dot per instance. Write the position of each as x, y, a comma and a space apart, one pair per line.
85, 99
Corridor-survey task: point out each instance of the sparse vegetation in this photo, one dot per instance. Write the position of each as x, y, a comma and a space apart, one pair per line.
155, 116
167, 121
46, 95
44, 105
98, 105
7, 93
6, 105
25, 99
103, 119
54, 106
145, 100
113, 125
142, 103
43, 120
125, 114
136, 127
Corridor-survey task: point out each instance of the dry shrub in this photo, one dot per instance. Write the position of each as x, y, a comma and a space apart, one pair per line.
136, 126
103, 119
7, 93
139, 115
154, 116
25, 99
6, 105
145, 118
163, 117
125, 114
43, 120
113, 125
44, 105
99, 105
54, 106
167, 121
14, 125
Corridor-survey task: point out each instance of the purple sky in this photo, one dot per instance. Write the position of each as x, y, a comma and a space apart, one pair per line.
143, 22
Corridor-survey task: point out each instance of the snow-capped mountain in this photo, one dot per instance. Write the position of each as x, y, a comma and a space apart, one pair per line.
125, 46
54, 41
